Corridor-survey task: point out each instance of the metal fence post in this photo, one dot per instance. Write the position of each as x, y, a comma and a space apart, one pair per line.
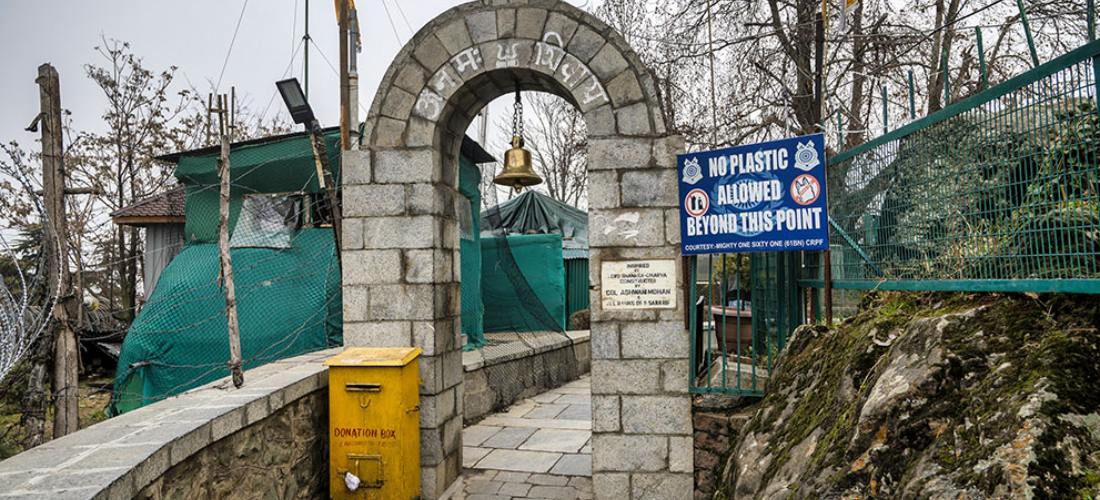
946, 77
912, 99
1091, 7
885, 112
981, 57
1027, 33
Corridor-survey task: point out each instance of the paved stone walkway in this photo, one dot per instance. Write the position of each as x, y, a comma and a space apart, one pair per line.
538, 448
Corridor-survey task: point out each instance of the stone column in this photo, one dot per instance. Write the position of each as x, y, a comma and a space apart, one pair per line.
401, 285
641, 407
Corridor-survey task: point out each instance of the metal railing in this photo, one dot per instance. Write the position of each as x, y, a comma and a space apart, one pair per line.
741, 308
998, 192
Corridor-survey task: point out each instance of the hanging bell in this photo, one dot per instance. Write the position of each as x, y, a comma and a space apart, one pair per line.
518, 172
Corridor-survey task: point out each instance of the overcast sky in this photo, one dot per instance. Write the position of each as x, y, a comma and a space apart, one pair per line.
195, 36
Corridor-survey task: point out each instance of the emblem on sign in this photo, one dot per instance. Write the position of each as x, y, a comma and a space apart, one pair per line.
692, 171
805, 158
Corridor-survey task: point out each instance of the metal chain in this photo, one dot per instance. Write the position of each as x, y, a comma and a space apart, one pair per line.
517, 116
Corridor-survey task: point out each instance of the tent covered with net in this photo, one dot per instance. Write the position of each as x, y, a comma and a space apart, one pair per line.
534, 263
285, 269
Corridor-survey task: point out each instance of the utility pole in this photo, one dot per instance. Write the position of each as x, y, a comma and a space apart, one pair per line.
345, 89
55, 240
353, 68
306, 40
819, 113
225, 127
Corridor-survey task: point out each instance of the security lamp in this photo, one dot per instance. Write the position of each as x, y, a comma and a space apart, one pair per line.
295, 101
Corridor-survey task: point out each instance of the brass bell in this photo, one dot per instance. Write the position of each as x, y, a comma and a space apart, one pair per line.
518, 172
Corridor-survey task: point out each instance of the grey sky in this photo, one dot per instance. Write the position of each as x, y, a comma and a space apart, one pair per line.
193, 35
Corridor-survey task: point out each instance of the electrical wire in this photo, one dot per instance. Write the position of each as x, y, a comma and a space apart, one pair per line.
232, 42
392, 25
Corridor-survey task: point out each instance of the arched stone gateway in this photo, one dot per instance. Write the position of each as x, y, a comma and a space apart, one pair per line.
400, 242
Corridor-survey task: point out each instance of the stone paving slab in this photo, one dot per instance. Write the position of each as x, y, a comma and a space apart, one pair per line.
545, 411
539, 448
576, 412
560, 440
509, 438
538, 423
519, 460
477, 434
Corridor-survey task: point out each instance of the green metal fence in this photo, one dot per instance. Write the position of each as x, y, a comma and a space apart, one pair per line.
576, 286
999, 192
742, 306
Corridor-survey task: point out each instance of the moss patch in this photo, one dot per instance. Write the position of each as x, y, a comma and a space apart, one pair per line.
923, 394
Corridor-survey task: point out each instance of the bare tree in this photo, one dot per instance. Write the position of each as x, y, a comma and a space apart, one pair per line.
764, 53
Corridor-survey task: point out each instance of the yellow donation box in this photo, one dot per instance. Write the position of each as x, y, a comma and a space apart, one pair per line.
374, 423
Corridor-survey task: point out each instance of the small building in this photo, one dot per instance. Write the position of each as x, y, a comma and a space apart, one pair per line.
285, 265
162, 218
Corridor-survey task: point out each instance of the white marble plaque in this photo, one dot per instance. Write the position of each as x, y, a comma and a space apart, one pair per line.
638, 284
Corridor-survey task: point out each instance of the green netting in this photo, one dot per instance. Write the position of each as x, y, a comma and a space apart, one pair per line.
279, 166
473, 326
288, 302
539, 259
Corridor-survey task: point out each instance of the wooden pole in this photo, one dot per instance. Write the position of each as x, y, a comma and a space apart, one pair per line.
327, 184
235, 365
345, 88
66, 357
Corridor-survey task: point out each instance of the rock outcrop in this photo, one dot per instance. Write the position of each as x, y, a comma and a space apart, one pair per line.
932, 396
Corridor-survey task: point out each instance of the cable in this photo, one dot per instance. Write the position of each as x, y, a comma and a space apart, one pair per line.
402, 12
333, 68
232, 42
392, 25
293, 56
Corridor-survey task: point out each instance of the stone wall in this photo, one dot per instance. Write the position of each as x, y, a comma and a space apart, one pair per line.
504, 372
282, 456
716, 429
268, 438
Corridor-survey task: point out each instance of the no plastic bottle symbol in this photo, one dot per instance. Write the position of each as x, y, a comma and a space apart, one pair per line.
696, 203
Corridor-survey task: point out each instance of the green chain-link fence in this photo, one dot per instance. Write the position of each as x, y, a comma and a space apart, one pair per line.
999, 192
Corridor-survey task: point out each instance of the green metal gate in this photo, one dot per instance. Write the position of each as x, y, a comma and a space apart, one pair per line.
742, 308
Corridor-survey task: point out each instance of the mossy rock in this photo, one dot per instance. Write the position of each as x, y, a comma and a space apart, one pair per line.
932, 396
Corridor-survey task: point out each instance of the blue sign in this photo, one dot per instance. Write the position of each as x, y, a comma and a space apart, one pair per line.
766, 197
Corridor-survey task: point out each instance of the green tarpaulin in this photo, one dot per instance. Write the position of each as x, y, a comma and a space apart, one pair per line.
288, 301
523, 283
469, 222
536, 213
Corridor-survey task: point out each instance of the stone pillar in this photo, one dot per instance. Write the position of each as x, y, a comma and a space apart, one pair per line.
401, 285
641, 407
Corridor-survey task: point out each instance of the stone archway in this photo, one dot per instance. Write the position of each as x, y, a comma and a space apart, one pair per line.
400, 241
